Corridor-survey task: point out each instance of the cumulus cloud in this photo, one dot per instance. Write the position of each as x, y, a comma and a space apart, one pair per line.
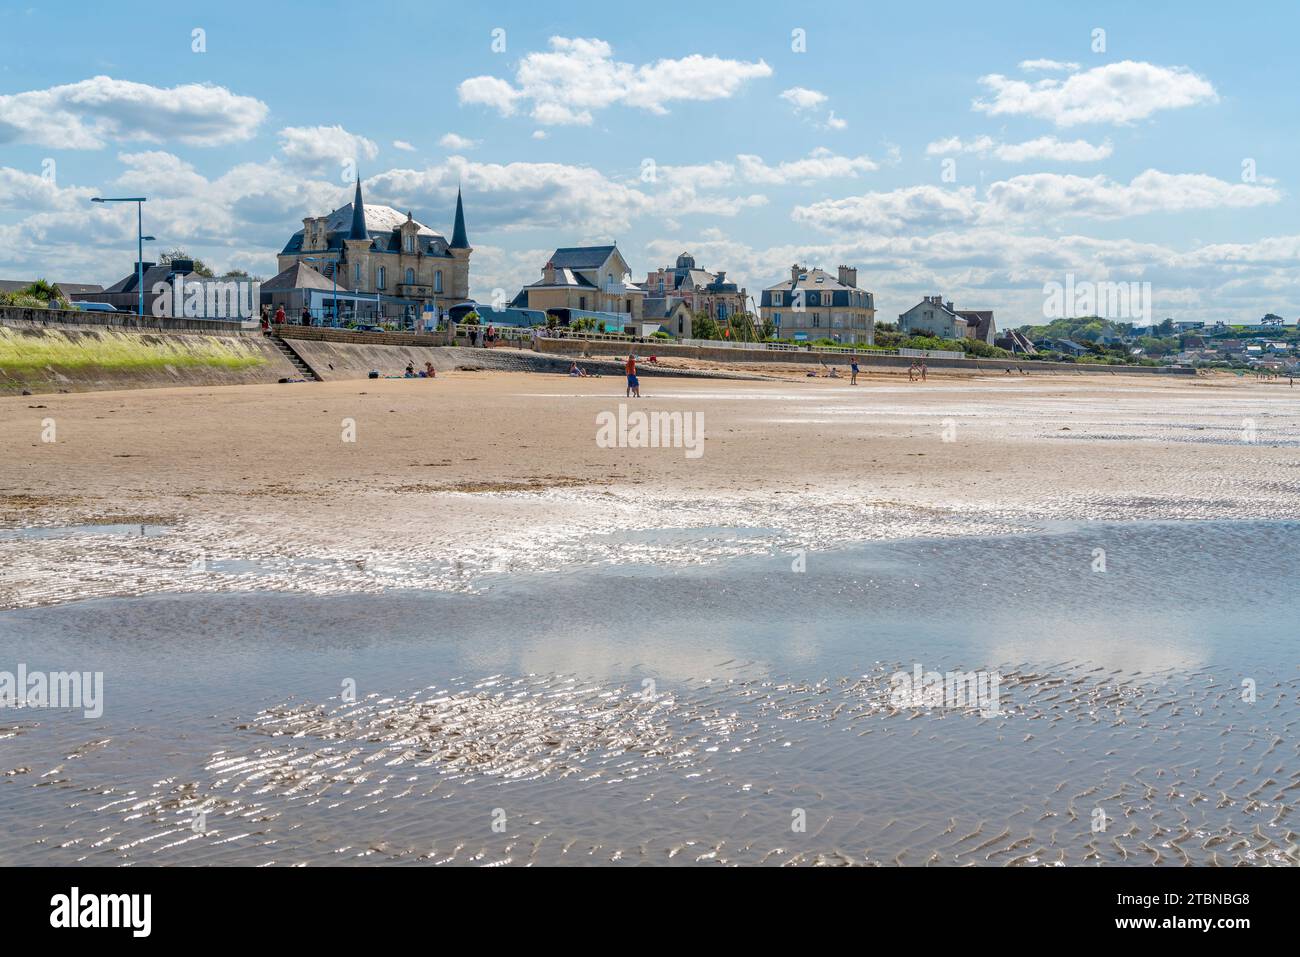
324, 147
577, 77
1117, 93
1098, 197
517, 196
403, 146
821, 163
454, 141
1047, 148
810, 103
1059, 66
802, 98
31, 192
92, 113
1033, 197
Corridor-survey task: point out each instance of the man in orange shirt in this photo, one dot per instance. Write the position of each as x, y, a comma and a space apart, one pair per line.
633, 384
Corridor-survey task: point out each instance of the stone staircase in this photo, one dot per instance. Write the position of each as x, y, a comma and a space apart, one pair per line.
304, 370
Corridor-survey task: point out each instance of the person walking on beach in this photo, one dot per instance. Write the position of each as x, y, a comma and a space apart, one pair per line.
633, 384
853, 371
911, 372
922, 370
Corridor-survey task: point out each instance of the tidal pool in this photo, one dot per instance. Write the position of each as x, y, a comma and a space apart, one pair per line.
744, 711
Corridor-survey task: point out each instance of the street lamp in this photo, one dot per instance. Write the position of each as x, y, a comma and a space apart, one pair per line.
334, 294
139, 231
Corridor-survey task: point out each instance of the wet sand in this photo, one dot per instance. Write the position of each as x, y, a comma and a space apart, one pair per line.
498, 589
491, 471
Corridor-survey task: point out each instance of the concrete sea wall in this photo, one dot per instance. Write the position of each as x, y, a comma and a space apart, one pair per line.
48, 354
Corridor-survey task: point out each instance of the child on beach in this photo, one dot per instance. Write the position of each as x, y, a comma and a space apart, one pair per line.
633, 384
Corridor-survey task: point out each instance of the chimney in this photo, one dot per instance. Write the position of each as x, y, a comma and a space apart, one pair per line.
794, 274
548, 273
849, 276
948, 306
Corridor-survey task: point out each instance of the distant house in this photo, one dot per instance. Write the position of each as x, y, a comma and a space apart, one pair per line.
586, 278
124, 294
1067, 346
69, 289
673, 315
935, 317
813, 304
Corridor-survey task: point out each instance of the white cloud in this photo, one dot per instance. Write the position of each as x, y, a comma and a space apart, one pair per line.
1060, 66
577, 77
919, 206
1115, 93
821, 163
454, 141
802, 98
403, 145
91, 113
1098, 197
1033, 197
810, 102
28, 191
1042, 148
517, 196
324, 148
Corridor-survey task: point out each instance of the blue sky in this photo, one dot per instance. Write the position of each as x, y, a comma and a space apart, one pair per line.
978, 151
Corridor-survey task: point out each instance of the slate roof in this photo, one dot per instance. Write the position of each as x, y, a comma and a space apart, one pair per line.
299, 276
459, 240
67, 288
581, 257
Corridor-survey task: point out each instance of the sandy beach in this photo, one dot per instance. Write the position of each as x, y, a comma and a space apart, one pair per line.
480, 471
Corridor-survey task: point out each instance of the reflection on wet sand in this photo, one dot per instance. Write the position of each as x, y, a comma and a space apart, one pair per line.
589, 717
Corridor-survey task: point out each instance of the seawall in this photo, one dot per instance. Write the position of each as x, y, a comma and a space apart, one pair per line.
43, 351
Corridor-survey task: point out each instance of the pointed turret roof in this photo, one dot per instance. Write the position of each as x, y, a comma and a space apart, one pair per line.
458, 238
358, 230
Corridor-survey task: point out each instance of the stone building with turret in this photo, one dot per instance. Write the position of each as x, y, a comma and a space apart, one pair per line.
377, 249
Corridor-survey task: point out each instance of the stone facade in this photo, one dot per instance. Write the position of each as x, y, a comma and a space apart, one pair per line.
813, 304
377, 249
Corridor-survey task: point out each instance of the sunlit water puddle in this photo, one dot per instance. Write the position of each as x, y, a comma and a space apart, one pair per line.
744, 711
34, 533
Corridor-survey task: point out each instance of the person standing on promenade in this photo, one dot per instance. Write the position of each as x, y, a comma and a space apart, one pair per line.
633, 383
279, 316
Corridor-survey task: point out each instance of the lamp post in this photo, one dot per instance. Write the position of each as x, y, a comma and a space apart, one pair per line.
334, 294
139, 231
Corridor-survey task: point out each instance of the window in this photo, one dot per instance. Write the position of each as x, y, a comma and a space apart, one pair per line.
410, 242
817, 319
410, 277
356, 276
680, 325
380, 277
437, 281
582, 302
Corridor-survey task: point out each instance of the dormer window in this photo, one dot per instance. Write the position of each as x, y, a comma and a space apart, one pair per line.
410, 242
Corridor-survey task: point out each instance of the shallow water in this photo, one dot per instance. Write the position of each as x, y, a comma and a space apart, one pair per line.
689, 713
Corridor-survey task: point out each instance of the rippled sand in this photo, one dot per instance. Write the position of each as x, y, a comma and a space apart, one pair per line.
576, 772
482, 518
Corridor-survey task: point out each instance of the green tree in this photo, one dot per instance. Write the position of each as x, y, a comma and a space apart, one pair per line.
704, 326
200, 267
